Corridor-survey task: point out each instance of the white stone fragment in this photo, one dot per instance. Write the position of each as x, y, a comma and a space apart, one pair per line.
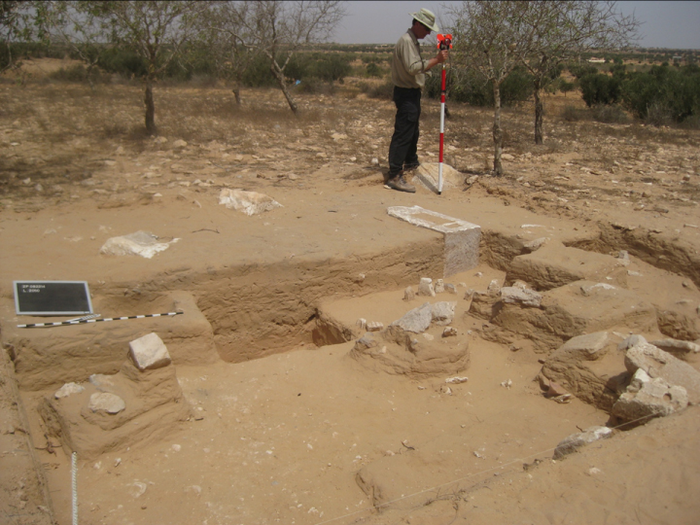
426, 287
140, 243
68, 389
248, 202
104, 401
149, 352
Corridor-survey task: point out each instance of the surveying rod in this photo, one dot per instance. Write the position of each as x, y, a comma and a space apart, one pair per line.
443, 42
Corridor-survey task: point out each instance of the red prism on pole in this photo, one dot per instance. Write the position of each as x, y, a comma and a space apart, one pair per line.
443, 42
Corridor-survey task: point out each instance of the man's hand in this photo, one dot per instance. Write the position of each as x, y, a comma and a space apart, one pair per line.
442, 56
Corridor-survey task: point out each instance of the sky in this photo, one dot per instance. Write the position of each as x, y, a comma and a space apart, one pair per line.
672, 25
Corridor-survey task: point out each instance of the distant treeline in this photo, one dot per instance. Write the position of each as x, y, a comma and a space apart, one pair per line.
659, 94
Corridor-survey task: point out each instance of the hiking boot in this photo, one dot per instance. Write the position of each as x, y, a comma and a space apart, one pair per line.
399, 183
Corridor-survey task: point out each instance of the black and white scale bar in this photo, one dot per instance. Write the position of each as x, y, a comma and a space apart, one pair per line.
101, 320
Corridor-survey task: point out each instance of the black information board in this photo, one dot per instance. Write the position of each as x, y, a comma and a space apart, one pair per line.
52, 298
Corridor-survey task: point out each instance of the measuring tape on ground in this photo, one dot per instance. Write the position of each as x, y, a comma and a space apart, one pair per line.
101, 320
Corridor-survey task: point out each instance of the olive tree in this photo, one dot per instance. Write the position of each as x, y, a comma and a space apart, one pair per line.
17, 24
560, 30
77, 25
221, 34
489, 37
280, 28
157, 31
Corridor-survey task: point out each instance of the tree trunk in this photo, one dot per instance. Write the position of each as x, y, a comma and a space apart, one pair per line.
497, 131
279, 75
150, 108
237, 93
539, 113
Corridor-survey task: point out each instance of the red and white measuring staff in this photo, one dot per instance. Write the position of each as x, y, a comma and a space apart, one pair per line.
443, 42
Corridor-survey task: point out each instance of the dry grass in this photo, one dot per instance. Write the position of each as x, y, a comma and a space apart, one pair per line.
66, 130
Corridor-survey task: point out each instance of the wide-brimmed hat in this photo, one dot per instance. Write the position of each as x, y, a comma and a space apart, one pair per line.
427, 18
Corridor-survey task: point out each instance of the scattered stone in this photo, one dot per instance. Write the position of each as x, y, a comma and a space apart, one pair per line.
409, 294
104, 401
365, 342
375, 326
149, 352
179, 144
68, 389
581, 439
417, 320
439, 286
623, 257
657, 363
451, 288
362, 323
426, 287
449, 331
443, 312
249, 202
554, 390
457, 380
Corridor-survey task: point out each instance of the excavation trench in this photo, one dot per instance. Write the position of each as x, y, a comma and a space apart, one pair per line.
241, 314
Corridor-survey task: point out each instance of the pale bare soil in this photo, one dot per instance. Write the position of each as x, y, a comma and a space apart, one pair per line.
284, 424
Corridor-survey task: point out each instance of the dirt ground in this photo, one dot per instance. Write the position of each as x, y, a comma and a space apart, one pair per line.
286, 422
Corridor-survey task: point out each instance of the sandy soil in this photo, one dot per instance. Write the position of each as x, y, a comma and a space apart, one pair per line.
282, 423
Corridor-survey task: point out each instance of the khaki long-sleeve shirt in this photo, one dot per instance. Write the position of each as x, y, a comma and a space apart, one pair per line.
407, 65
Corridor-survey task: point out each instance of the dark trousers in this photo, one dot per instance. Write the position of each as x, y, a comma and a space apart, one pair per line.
404, 142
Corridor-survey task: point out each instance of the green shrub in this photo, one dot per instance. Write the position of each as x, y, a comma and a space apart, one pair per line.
571, 113
663, 94
609, 114
373, 70
465, 86
599, 89
382, 91
315, 86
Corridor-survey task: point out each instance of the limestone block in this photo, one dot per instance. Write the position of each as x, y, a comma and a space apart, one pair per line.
461, 237
647, 397
658, 363
680, 349
149, 352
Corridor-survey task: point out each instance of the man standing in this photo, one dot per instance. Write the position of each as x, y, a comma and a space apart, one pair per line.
408, 75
